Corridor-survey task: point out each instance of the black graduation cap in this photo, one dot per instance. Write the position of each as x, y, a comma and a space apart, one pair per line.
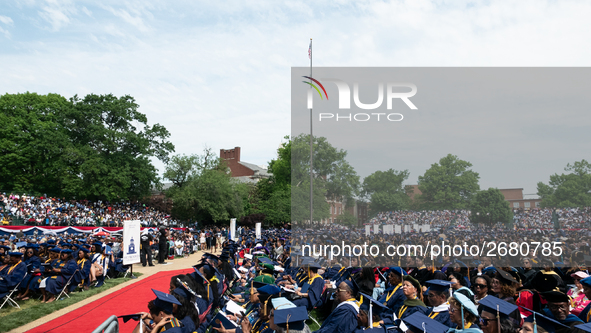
555, 296
545, 322
543, 282
293, 318
165, 301
491, 304
126, 318
505, 277
418, 322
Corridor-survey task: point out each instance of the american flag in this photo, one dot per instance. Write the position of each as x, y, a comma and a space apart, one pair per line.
310, 49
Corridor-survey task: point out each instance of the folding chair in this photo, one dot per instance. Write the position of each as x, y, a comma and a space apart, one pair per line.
65, 288
8, 296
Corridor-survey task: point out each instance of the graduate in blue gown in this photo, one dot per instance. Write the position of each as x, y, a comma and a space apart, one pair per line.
438, 294
315, 283
13, 273
56, 283
33, 263
413, 302
83, 263
585, 315
161, 313
344, 317
558, 309
393, 296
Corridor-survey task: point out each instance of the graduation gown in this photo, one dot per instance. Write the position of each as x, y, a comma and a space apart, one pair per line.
343, 319
585, 315
11, 276
570, 321
83, 271
393, 298
411, 306
440, 313
32, 263
56, 283
188, 325
314, 293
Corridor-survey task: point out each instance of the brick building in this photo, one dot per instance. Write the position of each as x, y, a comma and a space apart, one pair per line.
517, 199
243, 171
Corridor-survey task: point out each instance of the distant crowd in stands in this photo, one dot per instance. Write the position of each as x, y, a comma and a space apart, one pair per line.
42, 211
527, 218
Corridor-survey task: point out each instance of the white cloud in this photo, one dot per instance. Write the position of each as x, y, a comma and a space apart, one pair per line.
6, 20
57, 13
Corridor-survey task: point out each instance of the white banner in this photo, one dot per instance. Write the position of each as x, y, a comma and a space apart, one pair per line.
388, 229
426, 227
131, 242
415, 226
407, 228
258, 230
376, 228
397, 229
367, 230
233, 229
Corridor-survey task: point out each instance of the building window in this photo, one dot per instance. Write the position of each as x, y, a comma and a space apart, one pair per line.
537, 204
330, 219
526, 204
516, 205
340, 210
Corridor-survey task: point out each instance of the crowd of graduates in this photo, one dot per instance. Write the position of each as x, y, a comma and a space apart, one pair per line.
266, 285
55, 267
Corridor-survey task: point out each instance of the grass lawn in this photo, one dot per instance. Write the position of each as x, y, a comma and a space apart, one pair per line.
33, 309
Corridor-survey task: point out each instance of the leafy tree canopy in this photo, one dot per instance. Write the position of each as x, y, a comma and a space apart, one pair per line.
98, 147
449, 184
489, 207
568, 190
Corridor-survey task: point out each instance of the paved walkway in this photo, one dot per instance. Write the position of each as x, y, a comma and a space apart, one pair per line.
177, 263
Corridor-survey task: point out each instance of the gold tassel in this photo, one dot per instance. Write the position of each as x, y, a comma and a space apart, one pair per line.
287, 322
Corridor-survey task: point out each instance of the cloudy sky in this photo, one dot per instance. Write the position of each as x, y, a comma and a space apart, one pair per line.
217, 74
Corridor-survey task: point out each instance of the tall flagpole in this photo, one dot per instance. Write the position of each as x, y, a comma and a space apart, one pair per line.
311, 149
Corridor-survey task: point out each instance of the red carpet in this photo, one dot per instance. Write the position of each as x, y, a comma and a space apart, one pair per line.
131, 299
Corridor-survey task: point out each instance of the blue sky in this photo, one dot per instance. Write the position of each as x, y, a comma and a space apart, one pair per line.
217, 74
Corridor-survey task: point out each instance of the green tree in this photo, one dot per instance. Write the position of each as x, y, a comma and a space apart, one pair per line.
34, 144
113, 153
385, 191
334, 178
87, 148
203, 190
272, 196
448, 184
489, 207
568, 190
347, 219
